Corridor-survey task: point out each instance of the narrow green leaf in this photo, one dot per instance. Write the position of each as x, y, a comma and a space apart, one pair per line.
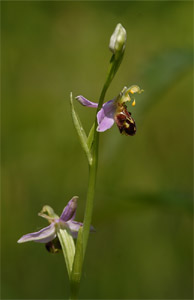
91, 137
80, 131
68, 248
78, 262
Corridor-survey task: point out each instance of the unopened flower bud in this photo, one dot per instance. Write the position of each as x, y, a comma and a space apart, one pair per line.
118, 39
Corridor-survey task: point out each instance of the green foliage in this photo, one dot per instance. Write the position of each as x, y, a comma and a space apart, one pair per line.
80, 131
68, 247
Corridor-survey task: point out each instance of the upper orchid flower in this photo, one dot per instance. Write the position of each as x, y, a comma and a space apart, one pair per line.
66, 221
115, 110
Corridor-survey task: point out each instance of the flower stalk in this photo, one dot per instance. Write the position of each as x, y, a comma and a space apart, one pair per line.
62, 231
94, 165
90, 147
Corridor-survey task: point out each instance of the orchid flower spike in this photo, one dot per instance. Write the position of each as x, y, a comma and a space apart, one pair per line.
115, 110
65, 221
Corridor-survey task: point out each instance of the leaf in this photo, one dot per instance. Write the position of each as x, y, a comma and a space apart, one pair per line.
68, 248
80, 131
91, 137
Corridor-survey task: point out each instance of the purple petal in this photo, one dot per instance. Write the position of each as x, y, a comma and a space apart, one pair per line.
105, 116
69, 210
75, 226
86, 102
45, 235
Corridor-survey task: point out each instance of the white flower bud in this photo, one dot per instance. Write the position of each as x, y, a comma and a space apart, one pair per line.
118, 39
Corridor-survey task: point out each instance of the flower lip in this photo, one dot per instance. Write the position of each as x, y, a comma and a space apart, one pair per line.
125, 122
53, 246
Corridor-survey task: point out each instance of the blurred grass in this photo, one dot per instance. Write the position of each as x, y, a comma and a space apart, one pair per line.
143, 209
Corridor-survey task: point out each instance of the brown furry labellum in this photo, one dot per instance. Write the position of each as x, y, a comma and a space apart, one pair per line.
125, 122
53, 246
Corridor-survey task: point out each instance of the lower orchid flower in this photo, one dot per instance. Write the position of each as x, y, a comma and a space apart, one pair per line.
65, 221
115, 110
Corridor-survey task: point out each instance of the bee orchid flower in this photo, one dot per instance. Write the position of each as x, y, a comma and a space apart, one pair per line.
115, 111
65, 221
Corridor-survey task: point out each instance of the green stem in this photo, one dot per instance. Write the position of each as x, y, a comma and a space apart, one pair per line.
92, 176
93, 168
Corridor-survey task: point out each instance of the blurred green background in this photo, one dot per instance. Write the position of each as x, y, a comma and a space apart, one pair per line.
142, 248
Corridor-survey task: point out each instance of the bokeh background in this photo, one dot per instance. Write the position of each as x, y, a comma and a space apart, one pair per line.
142, 248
